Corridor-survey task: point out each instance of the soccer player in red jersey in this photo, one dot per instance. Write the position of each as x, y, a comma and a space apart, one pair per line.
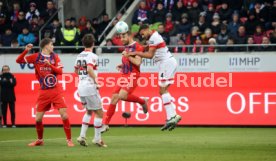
130, 68
47, 67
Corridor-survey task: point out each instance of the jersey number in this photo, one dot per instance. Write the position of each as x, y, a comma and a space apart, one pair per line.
82, 67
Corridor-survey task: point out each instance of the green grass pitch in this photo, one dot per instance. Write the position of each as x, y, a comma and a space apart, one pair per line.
144, 144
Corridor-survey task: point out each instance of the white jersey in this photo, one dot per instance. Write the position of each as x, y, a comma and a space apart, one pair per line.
162, 52
86, 86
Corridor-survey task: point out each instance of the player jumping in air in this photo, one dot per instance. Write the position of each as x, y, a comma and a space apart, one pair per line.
47, 67
130, 68
86, 68
167, 64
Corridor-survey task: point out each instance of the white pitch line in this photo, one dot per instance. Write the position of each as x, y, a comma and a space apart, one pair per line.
8, 141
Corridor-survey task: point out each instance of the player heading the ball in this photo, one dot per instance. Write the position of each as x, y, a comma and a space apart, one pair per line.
159, 52
130, 71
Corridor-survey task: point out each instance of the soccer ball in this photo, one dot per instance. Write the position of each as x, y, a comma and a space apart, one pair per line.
121, 27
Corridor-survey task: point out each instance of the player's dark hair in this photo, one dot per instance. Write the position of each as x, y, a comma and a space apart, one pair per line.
45, 42
88, 40
144, 26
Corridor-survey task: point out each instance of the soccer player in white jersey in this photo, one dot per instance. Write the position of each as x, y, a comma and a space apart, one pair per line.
158, 51
86, 68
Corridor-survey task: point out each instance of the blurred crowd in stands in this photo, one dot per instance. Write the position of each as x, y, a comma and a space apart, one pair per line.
21, 20
210, 22
180, 22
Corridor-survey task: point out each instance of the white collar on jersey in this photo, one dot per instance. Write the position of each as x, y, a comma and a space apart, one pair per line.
45, 55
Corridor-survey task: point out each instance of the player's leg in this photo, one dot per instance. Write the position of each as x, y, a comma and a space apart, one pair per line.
126, 95
166, 78
85, 123
39, 129
98, 128
4, 113
84, 127
167, 101
59, 104
94, 103
111, 109
66, 125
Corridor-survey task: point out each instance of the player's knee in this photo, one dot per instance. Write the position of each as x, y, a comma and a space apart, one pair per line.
38, 120
64, 116
122, 96
114, 99
89, 112
162, 91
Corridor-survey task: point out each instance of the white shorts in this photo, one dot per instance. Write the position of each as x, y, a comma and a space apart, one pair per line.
92, 102
167, 71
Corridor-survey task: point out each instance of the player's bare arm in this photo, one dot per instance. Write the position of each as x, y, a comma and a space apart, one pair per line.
148, 54
136, 60
92, 74
76, 71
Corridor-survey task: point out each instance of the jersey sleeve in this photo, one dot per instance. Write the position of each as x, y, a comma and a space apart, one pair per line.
58, 63
92, 60
30, 59
156, 41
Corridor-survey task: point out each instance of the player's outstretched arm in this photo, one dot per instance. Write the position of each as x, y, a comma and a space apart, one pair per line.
148, 54
21, 58
137, 60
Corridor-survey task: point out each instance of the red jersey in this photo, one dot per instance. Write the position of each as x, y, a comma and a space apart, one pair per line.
46, 74
127, 66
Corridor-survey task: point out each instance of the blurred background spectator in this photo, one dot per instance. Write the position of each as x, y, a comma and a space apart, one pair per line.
33, 11
142, 15
26, 37
7, 38
20, 23
109, 47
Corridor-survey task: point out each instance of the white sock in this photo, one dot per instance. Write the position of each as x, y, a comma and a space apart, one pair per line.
85, 123
169, 105
98, 127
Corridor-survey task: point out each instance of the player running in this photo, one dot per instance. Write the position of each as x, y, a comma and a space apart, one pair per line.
167, 64
130, 68
86, 68
47, 68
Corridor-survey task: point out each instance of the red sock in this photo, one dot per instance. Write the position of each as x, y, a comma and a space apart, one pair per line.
67, 128
39, 130
133, 98
110, 112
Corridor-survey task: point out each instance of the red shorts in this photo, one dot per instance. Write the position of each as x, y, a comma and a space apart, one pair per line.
127, 86
48, 98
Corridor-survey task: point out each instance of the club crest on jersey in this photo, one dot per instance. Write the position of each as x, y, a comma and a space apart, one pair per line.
52, 61
50, 80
